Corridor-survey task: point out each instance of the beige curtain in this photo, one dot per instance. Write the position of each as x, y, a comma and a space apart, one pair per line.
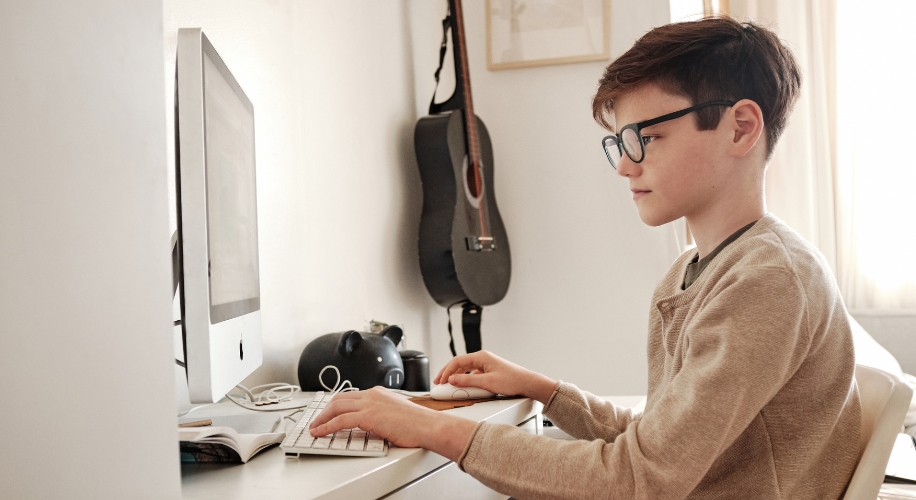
842, 175
801, 178
840, 179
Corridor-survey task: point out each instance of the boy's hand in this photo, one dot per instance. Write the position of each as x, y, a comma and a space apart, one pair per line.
393, 417
488, 371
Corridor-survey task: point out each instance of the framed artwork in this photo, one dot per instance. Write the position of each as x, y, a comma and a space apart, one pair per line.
523, 33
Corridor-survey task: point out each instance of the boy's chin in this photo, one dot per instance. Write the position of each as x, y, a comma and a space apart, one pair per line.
654, 218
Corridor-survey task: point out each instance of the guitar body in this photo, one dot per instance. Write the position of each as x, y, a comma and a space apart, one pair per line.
451, 271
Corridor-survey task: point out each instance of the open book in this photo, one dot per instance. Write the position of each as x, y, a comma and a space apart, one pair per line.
223, 444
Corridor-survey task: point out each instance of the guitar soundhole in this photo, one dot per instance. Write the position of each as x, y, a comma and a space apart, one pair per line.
470, 184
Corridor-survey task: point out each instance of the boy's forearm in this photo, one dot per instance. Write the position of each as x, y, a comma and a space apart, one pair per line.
448, 435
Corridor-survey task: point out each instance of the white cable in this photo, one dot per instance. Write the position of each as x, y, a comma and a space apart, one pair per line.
273, 393
278, 392
268, 409
250, 395
270, 392
345, 386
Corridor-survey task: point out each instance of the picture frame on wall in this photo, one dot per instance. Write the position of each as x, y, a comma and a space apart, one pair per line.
525, 33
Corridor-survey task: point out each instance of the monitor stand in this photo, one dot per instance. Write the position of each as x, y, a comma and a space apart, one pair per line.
246, 422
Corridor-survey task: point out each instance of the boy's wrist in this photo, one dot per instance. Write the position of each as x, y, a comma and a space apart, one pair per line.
448, 435
543, 388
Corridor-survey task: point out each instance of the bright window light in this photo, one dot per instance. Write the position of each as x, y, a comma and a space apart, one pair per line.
876, 119
686, 10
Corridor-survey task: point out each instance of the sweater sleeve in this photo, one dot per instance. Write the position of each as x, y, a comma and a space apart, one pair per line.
585, 416
743, 345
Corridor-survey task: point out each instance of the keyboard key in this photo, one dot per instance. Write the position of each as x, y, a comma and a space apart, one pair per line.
292, 434
341, 439
305, 441
357, 441
375, 443
323, 443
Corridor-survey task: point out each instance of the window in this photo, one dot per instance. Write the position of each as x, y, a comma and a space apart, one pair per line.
876, 127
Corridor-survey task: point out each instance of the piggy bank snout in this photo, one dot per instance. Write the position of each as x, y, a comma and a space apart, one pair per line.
394, 379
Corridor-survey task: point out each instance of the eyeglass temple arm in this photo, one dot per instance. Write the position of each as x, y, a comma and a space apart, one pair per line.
678, 114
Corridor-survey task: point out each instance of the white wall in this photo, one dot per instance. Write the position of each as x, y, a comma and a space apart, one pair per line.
84, 269
584, 265
338, 190
337, 88
339, 194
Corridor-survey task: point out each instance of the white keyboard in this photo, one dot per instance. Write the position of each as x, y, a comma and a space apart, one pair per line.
346, 442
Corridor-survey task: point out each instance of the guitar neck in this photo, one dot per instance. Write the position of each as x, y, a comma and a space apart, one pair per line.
470, 122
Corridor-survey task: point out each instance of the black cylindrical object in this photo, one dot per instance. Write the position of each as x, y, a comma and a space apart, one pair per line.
416, 371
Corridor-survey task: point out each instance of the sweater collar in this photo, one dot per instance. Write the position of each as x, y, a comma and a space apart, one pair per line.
669, 291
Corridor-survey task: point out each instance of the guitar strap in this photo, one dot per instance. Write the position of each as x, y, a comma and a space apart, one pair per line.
470, 324
446, 24
471, 315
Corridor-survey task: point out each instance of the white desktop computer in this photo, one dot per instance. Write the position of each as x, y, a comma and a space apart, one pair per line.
217, 246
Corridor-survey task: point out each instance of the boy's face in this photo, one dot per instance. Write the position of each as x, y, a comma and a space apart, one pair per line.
684, 170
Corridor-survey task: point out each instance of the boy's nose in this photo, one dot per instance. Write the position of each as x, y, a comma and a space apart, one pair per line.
628, 168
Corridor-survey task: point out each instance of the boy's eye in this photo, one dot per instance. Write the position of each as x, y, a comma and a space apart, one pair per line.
646, 139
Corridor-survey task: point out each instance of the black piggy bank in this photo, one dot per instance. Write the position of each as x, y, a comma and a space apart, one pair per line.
365, 359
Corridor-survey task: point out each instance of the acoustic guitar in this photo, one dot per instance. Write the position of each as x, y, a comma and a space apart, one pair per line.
464, 250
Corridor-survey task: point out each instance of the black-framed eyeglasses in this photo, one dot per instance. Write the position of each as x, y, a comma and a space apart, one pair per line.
630, 137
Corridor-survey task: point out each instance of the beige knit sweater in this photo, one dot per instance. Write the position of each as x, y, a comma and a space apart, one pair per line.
751, 393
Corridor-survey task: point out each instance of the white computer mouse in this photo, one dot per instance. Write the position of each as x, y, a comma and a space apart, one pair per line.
448, 392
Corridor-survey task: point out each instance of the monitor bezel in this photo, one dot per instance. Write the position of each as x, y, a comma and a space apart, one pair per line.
218, 354
226, 311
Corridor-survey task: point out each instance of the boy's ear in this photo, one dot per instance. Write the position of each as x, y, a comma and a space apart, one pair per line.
747, 125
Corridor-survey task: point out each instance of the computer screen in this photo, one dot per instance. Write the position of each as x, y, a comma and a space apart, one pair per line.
219, 281
232, 216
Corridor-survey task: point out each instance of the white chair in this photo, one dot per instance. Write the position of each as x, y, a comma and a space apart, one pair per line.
885, 400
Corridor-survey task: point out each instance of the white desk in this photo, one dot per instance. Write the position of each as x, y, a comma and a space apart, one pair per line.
403, 473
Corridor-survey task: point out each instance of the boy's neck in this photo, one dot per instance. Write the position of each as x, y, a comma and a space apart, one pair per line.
709, 230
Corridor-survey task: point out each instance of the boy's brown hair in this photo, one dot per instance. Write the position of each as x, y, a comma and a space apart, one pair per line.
715, 58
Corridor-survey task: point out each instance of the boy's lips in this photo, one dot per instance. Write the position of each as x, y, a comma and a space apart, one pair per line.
639, 193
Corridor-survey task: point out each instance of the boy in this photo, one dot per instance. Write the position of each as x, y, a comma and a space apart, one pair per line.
751, 391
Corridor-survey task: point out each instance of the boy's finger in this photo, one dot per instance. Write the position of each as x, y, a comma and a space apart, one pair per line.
456, 365
470, 380
345, 421
335, 407
349, 395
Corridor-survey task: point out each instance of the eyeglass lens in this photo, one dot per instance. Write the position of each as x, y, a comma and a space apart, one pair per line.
631, 143
612, 150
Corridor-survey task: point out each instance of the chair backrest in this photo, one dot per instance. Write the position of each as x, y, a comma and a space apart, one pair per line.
885, 400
